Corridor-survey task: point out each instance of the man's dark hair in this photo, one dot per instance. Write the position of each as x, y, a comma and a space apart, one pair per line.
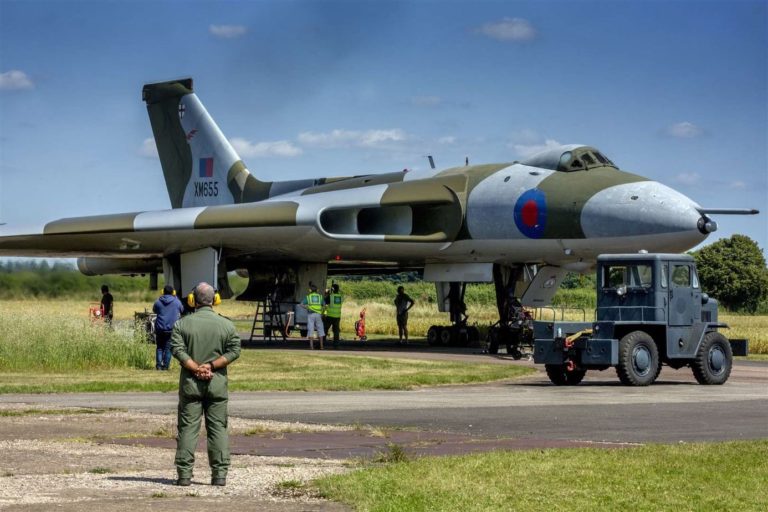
400, 289
313, 287
104, 288
167, 290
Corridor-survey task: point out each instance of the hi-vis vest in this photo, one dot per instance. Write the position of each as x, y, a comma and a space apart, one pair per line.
315, 302
334, 305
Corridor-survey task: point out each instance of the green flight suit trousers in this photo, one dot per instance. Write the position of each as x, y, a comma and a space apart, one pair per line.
198, 398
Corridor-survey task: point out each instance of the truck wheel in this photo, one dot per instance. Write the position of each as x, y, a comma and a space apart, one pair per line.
658, 371
560, 376
714, 359
433, 335
638, 359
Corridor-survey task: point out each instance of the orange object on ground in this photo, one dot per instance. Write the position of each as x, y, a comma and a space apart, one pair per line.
360, 327
95, 312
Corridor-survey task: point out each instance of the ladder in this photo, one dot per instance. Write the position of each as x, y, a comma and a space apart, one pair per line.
267, 319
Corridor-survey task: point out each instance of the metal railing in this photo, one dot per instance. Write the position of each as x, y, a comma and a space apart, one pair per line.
562, 310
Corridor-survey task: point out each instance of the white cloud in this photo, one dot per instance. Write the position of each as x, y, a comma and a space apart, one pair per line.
353, 138
738, 185
281, 148
448, 139
426, 101
684, 130
148, 148
688, 178
526, 150
15, 80
509, 29
227, 31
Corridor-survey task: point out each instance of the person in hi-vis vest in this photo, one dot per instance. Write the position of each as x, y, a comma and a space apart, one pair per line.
315, 306
333, 299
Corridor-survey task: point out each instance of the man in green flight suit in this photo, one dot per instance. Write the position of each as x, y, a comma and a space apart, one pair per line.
204, 343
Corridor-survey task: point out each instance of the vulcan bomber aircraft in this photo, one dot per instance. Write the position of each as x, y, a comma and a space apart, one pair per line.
522, 225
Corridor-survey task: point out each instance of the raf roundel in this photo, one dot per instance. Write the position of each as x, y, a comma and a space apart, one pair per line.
531, 213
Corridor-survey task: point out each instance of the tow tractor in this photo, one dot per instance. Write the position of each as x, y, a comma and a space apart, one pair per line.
651, 312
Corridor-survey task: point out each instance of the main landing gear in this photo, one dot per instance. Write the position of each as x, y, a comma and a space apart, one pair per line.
458, 333
515, 326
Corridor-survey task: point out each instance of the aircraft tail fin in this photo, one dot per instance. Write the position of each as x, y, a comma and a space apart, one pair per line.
200, 166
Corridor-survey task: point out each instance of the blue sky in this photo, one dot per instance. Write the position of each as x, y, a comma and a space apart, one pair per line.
676, 91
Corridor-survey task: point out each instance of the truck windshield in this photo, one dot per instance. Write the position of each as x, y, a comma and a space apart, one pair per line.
631, 276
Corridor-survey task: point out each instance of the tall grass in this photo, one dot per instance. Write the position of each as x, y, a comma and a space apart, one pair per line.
59, 342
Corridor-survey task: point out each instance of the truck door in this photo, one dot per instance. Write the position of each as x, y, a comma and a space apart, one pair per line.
683, 296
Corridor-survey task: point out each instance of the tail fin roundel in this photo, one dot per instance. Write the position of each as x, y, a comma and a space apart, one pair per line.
200, 166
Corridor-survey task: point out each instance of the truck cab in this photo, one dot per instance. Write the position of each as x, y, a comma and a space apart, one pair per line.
650, 311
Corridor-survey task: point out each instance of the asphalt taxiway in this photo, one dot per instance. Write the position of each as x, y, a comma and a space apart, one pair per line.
674, 409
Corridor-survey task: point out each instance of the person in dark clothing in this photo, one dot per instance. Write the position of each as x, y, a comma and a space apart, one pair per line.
403, 303
168, 309
106, 304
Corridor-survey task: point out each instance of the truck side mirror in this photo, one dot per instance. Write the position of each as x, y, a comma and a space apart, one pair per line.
704, 298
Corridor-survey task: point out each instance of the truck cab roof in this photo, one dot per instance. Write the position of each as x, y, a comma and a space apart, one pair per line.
644, 257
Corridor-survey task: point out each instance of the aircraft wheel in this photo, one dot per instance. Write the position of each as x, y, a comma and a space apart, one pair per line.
638, 359
433, 335
303, 333
714, 360
446, 336
473, 334
493, 341
560, 376
515, 352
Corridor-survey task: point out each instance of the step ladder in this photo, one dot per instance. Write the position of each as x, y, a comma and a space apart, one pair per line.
267, 319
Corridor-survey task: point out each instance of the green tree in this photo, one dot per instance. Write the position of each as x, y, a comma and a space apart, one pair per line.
733, 271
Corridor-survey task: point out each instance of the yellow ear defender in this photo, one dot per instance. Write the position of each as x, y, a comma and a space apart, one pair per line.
193, 304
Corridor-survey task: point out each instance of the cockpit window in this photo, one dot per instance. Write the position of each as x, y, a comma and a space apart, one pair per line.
570, 158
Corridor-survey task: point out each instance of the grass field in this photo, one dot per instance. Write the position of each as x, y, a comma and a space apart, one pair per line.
44, 347
689, 477
379, 318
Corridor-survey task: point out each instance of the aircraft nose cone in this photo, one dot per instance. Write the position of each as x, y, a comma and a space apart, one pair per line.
646, 208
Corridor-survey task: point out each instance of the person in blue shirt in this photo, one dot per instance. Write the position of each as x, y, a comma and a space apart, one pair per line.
168, 309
